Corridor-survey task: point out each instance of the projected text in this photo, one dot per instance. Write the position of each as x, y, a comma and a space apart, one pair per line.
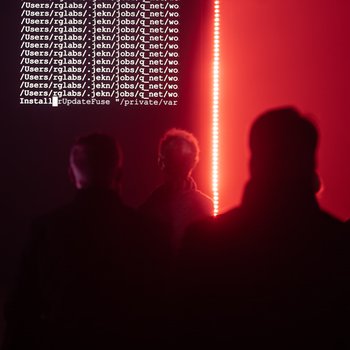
100, 52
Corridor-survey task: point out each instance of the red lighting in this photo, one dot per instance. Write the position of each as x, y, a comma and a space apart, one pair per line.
215, 107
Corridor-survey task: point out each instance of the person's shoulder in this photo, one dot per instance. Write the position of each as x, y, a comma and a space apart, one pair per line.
330, 218
208, 237
141, 220
202, 197
155, 198
329, 222
334, 231
53, 216
203, 202
214, 227
227, 221
347, 224
232, 216
42, 229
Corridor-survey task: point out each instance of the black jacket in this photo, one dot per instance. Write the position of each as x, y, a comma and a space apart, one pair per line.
92, 275
278, 265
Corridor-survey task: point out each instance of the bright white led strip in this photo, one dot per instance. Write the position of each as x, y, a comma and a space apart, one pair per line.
215, 114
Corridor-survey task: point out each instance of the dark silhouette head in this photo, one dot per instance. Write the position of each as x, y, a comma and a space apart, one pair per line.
178, 154
95, 161
283, 146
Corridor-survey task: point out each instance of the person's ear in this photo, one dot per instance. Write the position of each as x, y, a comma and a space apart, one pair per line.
118, 175
252, 166
316, 183
71, 175
117, 179
161, 163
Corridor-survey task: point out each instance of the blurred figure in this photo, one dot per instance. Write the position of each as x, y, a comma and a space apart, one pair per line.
277, 265
92, 274
177, 202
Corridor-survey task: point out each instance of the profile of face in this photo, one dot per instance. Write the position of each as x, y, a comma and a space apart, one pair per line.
78, 167
178, 154
177, 159
95, 162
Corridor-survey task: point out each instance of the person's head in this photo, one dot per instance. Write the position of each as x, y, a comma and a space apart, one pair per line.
178, 154
95, 161
283, 145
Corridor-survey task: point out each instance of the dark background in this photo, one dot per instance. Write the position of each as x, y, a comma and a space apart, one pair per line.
290, 52
35, 140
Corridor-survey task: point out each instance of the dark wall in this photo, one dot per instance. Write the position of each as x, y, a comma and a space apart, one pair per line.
35, 140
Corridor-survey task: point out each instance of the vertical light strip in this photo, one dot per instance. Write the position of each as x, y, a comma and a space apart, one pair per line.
215, 114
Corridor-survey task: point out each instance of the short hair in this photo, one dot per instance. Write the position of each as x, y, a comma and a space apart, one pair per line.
182, 142
284, 140
96, 155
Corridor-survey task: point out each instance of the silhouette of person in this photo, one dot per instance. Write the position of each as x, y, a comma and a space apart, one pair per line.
177, 202
276, 265
92, 274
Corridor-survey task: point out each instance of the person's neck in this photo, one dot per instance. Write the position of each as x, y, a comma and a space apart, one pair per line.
179, 184
283, 196
99, 189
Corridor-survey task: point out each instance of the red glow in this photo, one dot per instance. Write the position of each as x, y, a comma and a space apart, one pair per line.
215, 107
276, 53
